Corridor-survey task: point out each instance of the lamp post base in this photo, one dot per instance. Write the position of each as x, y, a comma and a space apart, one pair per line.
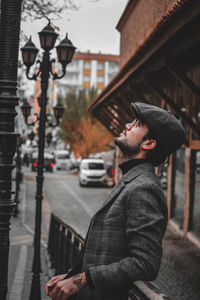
35, 293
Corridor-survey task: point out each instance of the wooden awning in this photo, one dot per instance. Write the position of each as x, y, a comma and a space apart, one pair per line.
165, 71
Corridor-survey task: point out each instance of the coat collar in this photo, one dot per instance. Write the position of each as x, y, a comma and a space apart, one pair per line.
129, 176
137, 170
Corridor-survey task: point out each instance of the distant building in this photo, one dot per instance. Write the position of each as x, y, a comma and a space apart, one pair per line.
88, 70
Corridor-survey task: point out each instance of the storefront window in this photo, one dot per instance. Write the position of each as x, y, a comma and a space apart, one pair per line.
195, 203
179, 187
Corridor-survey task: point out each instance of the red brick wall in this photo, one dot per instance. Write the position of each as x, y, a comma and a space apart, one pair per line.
135, 27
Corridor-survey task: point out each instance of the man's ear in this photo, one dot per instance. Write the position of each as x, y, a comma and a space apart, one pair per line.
149, 144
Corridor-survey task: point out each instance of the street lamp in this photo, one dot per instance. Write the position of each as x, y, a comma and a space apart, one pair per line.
19, 174
49, 138
65, 52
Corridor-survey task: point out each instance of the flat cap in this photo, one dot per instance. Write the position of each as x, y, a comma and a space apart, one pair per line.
165, 127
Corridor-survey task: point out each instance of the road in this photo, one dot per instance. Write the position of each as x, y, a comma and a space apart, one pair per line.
75, 205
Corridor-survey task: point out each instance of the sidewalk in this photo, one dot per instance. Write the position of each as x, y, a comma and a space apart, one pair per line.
21, 246
179, 275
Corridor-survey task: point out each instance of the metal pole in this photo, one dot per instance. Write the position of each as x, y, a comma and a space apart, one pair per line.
18, 176
35, 293
9, 44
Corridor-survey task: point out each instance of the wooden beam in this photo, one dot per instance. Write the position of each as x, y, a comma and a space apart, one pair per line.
116, 115
119, 114
174, 106
112, 122
120, 102
103, 119
187, 190
123, 111
194, 144
193, 161
124, 99
170, 186
184, 79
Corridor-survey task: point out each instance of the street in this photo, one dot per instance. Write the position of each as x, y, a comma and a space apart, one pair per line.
75, 205
64, 197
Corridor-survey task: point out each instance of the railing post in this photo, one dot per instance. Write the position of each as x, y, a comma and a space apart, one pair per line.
53, 242
61, 250
50, 235
69, 250
56, 240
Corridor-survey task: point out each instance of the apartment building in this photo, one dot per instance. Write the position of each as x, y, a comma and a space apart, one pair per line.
88, 70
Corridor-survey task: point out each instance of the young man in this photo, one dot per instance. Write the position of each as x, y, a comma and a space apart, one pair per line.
124, 239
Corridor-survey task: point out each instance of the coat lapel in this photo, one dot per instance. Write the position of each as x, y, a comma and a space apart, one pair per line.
129, 176
115, 191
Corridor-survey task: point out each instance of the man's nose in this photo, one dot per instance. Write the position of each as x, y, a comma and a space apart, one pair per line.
128, 126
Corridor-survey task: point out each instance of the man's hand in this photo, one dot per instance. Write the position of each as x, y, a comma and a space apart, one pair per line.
66, 288
52, 282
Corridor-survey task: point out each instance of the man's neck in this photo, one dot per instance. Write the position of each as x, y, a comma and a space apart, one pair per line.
129, 164
128, 157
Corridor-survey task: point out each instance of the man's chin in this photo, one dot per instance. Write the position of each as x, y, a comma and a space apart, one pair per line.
118, 140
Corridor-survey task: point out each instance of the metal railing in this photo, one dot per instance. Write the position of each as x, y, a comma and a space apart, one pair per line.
64, 245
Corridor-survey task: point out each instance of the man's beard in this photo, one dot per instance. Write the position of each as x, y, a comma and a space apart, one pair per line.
128, 150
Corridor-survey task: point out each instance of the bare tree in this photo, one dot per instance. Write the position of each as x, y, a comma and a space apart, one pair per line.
49, 9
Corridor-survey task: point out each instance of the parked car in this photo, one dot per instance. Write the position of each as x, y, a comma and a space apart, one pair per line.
49, 161
92, 171
63, 160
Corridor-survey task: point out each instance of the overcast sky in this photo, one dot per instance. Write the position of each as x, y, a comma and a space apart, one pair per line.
91, 27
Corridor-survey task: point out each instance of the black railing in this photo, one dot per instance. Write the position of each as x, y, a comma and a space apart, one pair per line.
65, 244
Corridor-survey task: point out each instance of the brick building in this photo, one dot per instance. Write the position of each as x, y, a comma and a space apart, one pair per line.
160, 64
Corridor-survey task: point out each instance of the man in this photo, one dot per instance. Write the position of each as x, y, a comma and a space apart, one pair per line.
124, 240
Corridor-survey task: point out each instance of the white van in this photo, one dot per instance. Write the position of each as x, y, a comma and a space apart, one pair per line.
62, 158
92, 171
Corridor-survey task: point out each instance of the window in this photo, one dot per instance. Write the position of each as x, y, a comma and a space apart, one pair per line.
93, 166
86, 78
113, 66
100, 66
100, 79
63, 156
87, 65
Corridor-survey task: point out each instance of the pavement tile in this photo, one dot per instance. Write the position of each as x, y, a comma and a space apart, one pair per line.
179, 274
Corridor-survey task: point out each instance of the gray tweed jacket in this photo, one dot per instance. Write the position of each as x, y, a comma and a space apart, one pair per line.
124, 240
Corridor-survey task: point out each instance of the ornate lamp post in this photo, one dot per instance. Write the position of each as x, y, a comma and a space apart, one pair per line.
9, 44
19, 174
65, 52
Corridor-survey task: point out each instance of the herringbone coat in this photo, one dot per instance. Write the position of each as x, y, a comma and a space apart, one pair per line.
124, 240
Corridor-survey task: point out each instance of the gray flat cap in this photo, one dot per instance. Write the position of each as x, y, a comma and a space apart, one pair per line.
165, 127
